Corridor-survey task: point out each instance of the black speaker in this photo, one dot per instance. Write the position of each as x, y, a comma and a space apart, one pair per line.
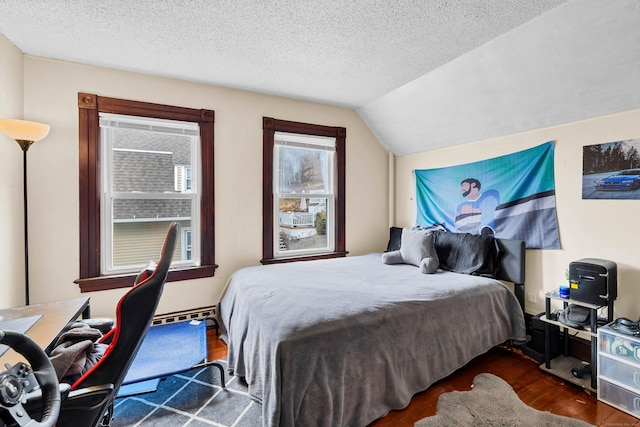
594, 281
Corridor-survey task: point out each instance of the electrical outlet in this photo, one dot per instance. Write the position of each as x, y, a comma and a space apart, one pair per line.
532, 297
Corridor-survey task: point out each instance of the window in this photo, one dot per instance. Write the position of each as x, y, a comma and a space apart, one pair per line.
303, 191
138, 158
186, 244
182, 175
143, 166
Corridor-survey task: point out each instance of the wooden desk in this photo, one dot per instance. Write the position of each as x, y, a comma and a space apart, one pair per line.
55, 316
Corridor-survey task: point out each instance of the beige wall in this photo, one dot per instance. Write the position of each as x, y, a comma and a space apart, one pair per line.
11, 212
588, 228
51, 89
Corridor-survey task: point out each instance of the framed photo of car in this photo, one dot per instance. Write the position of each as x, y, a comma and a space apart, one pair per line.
611, 170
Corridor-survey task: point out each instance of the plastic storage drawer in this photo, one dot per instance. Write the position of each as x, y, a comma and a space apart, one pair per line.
622, 347
622, 373
619, 397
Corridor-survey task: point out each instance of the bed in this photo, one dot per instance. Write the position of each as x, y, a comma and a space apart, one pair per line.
340, 342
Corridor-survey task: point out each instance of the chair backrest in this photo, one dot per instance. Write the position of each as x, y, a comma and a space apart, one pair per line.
134, 315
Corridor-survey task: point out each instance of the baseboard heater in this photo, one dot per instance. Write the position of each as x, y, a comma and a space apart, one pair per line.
201, 313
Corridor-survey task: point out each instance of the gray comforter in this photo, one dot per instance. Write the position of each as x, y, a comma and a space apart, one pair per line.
341, 342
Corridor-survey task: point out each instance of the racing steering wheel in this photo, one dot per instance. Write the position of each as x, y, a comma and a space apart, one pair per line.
20, 379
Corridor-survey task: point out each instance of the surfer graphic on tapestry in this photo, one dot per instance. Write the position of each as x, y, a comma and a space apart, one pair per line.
476, 215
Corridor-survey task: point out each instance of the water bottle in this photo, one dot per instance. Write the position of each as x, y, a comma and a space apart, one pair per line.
564, 290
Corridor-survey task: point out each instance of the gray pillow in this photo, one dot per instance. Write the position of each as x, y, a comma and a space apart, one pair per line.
429, 265
416, 248
392, 257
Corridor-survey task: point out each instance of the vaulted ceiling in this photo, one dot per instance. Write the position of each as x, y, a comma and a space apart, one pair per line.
422, 74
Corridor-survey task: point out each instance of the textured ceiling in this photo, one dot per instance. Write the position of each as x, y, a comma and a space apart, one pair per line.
417, 71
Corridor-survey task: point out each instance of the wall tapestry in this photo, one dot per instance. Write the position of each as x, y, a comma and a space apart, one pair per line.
611, 170
511, 197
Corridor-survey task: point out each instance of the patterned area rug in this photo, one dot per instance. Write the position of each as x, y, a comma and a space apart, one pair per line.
491, 403
194, 399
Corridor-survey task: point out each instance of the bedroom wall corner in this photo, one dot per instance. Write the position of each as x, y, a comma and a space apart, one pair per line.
11, 217
392, 189
588, 228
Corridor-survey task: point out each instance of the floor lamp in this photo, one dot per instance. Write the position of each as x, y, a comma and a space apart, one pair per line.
24, 133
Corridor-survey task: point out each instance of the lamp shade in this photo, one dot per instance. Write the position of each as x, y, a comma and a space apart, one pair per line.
23, 130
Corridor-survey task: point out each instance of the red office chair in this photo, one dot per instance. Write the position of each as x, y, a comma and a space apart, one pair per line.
90, 400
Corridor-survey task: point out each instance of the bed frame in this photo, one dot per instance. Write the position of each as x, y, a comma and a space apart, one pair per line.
512, 265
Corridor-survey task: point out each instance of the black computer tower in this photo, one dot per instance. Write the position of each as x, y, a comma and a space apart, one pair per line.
593, 281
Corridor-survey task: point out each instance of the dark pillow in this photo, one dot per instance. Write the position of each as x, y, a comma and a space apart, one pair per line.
467, 253
395, 238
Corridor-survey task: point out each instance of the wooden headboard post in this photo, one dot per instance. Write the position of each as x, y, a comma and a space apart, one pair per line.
512, 263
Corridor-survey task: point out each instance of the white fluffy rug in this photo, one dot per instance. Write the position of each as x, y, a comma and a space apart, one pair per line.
491, 403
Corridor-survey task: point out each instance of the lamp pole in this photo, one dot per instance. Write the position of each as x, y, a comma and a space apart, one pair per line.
25, 146
24, 133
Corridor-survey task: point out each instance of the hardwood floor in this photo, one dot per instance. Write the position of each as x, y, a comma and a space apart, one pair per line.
534, 387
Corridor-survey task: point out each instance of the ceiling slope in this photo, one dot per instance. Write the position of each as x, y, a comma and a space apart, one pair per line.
578, 61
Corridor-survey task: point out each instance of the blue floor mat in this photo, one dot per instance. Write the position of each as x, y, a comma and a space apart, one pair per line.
169, 349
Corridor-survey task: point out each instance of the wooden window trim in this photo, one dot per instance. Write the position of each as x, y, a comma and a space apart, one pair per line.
89, 107
269, 127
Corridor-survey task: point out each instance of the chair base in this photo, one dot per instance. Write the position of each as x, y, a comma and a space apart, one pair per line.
217, 365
